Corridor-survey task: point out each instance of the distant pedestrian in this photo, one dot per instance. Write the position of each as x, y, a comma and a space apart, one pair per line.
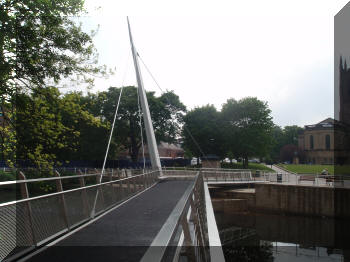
326, 174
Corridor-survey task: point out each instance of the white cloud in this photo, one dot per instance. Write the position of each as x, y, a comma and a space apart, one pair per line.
275, 50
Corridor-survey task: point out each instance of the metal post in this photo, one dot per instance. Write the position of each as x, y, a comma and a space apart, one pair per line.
99, 191
25, 194
187, 237
128, 186
84, 194
60, 189
151, 140
134, 184
121, 189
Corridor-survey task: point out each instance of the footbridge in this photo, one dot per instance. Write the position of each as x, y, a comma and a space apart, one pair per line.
130, 216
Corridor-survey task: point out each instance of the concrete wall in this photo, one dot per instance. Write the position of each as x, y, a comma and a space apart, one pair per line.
233, 194
306, 231
229, 206
304, 200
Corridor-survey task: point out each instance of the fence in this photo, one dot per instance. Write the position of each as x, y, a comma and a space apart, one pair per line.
33, 221
187, 231
227, 175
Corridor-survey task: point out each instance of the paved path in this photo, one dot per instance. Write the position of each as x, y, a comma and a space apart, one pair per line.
287, 177
125, 233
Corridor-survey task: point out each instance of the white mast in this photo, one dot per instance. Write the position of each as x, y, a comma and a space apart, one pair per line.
151, 140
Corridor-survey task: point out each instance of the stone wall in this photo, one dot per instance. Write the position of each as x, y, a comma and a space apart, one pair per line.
304, 200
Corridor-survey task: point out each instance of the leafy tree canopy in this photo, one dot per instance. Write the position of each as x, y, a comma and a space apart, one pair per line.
248, 126
39, 42
241, 129
201, 132
166, 113
52, 128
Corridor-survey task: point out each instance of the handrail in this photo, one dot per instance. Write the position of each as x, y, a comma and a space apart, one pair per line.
71, 190
44, 179
187, 228
166, 233
216, 252
48, 216
10, 182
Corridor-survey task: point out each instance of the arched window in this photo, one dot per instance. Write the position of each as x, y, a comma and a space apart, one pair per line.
311, 142
328, 142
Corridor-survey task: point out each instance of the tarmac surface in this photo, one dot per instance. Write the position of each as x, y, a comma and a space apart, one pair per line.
125, 233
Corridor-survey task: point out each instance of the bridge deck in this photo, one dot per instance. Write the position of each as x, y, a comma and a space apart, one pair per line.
125, 233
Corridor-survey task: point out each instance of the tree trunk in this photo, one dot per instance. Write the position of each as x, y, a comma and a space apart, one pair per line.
134, 154
134, 147
245, 162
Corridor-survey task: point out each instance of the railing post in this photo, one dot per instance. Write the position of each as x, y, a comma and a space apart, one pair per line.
121, 189
60, 189
187, 237
134, 183
25, 194
144, 181
110, 175
99, 187
84, 194
128, 185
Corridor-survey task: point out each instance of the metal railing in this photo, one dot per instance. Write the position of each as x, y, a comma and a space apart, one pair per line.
185, 233
227, 175
33, 221
306, 179
232, 234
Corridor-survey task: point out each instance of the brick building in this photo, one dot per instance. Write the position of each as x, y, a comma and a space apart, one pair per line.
319, 144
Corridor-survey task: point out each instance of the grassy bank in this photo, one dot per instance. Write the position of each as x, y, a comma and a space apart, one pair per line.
253, 166
307, 169
317, 169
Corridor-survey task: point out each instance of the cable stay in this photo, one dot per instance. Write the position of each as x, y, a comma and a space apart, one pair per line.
162, 92
109, 140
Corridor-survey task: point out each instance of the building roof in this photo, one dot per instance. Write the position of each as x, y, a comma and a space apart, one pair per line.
328, 123
328, 120
169, 146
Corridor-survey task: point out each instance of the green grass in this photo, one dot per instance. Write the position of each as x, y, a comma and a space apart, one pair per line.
316, 169
253, 166
7, 176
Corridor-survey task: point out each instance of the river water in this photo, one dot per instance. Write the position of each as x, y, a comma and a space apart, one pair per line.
264, 237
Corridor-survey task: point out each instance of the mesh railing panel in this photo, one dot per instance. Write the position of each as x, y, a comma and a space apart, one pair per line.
7, 230
108, 195
227, 176
78, 208
34, 221
48, 217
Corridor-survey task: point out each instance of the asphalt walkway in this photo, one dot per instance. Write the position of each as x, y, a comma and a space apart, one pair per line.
125, 233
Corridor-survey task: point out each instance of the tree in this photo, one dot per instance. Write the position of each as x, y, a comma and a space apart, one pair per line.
93, 132
39, 45
291, 134
40, 42
201, 132
281, 137
289, 151
51, 129
166, 113
247, 126
277, 143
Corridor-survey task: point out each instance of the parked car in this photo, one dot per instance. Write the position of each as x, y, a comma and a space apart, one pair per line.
227, 160
194, 161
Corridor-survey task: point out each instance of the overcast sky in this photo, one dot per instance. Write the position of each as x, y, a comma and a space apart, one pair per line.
209, 51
